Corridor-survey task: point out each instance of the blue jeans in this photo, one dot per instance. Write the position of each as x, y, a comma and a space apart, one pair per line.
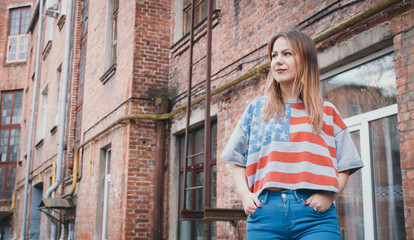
284, 215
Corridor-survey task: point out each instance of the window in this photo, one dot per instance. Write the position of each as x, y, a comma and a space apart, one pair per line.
200, 13
103, 194
195, 181
114, 31
18, 38
57, 92
48, 33
111, 33
11, 112
371, 205
42, 115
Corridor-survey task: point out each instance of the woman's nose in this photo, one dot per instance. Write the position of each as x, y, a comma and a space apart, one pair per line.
278, 60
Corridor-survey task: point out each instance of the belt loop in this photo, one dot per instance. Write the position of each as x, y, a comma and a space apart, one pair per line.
296, 196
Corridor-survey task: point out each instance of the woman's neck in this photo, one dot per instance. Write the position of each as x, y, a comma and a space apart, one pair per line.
288, 92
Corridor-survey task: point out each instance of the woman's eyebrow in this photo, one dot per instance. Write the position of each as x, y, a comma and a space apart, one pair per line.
284, 50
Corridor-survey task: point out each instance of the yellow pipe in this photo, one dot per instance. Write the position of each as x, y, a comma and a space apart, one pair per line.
40, 176
258, 70
12, 206
53, 176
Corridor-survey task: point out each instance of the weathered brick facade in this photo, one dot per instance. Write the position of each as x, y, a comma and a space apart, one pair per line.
152, 64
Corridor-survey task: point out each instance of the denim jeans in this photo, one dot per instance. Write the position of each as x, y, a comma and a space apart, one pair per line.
284, 215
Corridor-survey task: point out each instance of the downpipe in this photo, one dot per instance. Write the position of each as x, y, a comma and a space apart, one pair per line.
31, 127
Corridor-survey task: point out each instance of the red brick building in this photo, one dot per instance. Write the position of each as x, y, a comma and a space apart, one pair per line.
93, 102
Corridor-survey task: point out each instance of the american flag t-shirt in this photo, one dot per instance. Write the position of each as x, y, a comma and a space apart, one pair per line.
286, 153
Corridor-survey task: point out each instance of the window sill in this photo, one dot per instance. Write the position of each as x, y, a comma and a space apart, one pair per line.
47, 49
199, 31
39, 143
13, 64
5, 201
61, 22
53, 130
108, 74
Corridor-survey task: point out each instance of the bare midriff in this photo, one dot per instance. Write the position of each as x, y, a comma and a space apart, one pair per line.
275, 189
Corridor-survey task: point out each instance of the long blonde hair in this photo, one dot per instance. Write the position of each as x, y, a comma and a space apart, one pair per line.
306, 82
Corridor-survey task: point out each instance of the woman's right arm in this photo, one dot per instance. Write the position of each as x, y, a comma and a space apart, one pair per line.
249, 200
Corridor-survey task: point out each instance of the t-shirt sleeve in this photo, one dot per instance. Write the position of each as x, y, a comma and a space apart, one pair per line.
346, 153
236, 148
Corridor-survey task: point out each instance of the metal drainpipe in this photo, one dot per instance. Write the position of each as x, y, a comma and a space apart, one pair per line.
31, 127
161, 107
62, 114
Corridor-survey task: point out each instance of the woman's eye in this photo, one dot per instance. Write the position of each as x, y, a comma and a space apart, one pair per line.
274, 55
288, 54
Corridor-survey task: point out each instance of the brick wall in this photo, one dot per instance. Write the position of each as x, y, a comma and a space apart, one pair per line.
403, 29
243, 26
150, 79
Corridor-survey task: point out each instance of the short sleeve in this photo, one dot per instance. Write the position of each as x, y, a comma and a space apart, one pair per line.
236, 148
346, 153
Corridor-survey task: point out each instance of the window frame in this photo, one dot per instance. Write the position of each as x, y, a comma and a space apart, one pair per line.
20, 35
19, 46
9, 164
20, 9
42, 115
195, 168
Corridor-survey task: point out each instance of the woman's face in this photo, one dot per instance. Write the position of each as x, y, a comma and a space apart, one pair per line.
283, 65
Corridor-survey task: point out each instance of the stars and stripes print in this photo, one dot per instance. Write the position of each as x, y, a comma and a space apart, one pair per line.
287, 153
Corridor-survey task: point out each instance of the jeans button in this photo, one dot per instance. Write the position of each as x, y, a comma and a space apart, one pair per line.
283, 195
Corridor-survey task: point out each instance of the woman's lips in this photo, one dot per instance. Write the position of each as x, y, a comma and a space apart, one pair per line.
280, 70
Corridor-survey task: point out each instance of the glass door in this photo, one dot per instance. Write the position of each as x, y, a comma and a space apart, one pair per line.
371, 205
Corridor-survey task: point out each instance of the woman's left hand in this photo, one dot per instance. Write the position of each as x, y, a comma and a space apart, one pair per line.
320, 201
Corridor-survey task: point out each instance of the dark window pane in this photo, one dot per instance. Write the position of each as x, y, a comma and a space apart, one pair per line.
201, 230
11, 173
213, 186
25, 20
4, 140
78, 125
15, 22
14, 144
2, 180
349, 203
199, 146
214, 141
385, 152
6, 108
199, 192
185, 230
17, 107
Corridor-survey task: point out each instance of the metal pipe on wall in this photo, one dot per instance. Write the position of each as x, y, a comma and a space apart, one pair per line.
62, 113
31, 126
161, 107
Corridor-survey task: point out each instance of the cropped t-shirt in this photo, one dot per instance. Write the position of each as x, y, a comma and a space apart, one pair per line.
287, 153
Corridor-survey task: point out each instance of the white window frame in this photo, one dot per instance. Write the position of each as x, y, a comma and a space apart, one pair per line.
110, 39
49, 31
107, 181
57, 92
42, 114
18, 44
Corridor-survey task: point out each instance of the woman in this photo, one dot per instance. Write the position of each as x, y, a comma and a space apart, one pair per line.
291, 153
